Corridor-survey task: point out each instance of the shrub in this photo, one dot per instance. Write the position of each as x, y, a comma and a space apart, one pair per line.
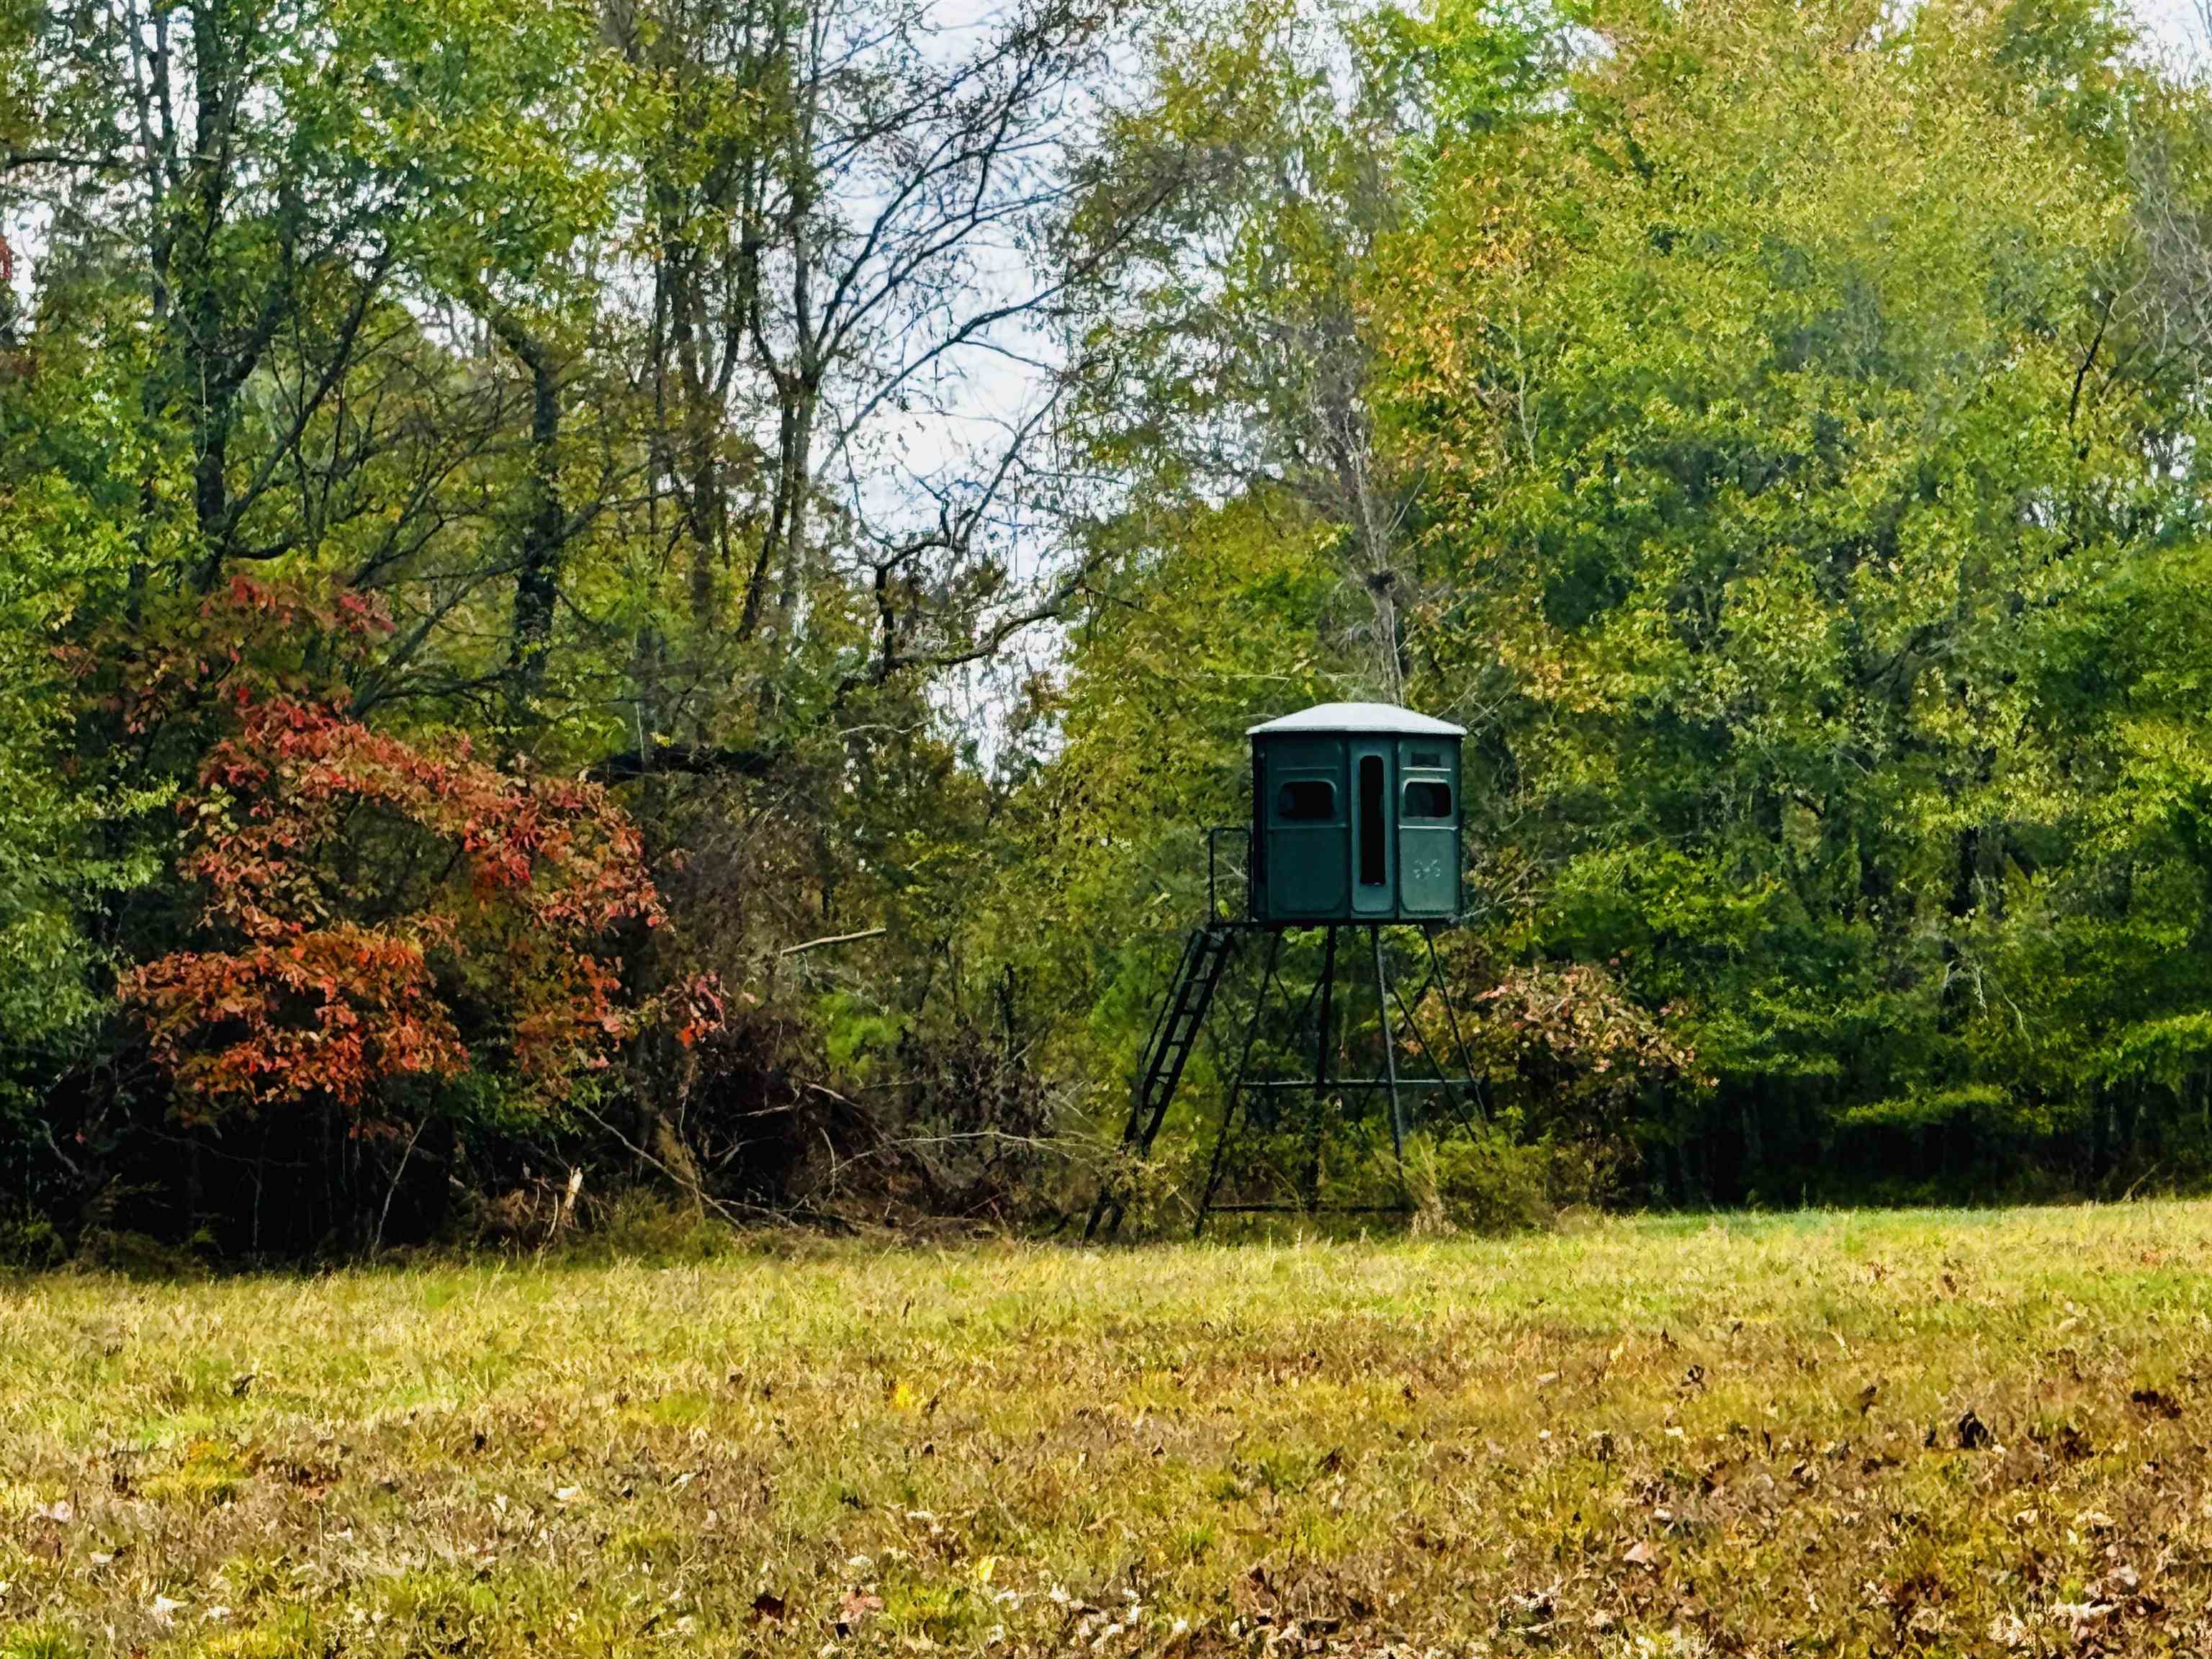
357, 892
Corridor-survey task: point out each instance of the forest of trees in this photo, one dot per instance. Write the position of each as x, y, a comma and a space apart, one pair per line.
659, 593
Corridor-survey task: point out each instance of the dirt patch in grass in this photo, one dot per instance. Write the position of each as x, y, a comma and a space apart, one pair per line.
1845, 1434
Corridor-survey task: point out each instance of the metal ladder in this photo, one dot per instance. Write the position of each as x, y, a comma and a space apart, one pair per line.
1204, 956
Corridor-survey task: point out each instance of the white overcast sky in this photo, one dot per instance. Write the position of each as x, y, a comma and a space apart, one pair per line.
2173, 24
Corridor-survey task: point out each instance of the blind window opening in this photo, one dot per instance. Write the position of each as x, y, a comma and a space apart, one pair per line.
1306, 800
1428, 799
1372, 847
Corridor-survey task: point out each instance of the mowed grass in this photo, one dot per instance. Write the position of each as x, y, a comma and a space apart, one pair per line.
1844, 1433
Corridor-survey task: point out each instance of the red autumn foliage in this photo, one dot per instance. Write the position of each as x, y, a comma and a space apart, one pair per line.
698, 1008
373, 910
332, 1011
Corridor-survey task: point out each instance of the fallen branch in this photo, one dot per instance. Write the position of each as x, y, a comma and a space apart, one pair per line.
834, 938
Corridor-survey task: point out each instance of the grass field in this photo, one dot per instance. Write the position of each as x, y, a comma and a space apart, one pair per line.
1848, 1433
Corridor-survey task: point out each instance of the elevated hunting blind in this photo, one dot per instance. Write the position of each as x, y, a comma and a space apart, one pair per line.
1355, 816
1355, 825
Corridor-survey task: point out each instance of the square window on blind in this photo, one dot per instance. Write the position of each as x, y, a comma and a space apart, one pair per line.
1428, 801
1428, 757
1306, 800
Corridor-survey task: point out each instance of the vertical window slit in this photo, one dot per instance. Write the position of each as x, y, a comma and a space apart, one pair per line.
1372, 844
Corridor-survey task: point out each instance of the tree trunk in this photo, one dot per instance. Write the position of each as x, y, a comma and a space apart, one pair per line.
545, 520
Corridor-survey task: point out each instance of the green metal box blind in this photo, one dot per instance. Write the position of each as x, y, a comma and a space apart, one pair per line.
1356, 816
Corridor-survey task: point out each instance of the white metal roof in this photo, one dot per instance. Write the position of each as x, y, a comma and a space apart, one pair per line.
1360, 717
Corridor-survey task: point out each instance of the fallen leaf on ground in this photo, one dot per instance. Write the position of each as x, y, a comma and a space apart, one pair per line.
856, 1607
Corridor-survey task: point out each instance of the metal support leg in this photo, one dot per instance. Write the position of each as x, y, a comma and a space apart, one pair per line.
1406, 1012
1389, 1061
1451, 1020
1456, 1097
1312, 1183
1235, 1094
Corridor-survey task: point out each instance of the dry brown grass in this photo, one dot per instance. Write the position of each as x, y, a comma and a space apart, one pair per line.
1853, 1433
